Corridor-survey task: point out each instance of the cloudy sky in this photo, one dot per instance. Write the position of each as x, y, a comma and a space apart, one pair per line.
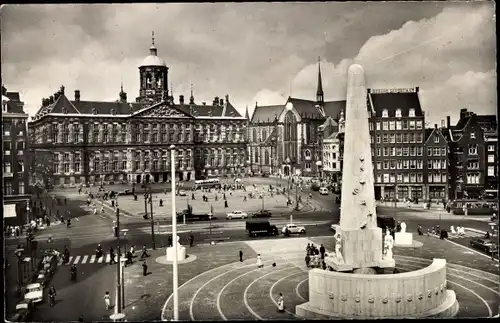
255, 51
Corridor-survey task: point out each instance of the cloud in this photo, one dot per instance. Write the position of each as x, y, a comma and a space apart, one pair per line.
451, 57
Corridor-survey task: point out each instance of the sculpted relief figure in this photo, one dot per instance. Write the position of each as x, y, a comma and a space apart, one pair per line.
338, 248
388, 244
403, 227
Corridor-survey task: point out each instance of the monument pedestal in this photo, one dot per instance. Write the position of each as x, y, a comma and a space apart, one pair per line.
403, 239
181, 253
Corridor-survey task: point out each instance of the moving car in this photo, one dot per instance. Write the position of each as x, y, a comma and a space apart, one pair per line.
125, 192
182, 193
323, 191
190, 216
262, 214
34, 293
484, 245
24, 311
237, 215
261, 227
292, 228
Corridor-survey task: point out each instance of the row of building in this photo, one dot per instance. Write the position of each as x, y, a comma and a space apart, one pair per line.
76, 141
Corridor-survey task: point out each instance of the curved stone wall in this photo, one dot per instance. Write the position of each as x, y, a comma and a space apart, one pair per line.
409, 294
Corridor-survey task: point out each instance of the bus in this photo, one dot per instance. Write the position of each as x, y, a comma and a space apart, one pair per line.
475, 207
207, 183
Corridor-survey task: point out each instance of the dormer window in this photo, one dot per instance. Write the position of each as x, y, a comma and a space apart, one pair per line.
94, 111
65, 111
412, 113
472, 135
398, 113
385, 113
113, 111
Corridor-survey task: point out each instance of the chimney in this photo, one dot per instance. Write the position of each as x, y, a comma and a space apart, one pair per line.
221, 101
368, 91
203, 103
448, 122
227, 98
51, 99
77, 95
62, 89
56, 95
216, 101
43, 102
417, 88
463, 113
181, 99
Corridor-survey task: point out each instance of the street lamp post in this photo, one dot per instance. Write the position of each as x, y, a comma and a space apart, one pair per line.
175, 281
152, 220
126, 241
122, 265
118, 264
145, 203
288, 181
296, 197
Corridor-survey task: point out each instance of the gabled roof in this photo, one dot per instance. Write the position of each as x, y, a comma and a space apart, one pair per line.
462, 123
227, 110
120, 108
266, 113
61, 103
333, 108
306, 108
393, 101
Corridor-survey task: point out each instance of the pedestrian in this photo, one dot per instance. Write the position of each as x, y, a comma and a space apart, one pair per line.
145, 250
307, 259
144, 268
259, 261
241, 255
192, 196
107, 300
112, 256
170, 241
322, 251
191, 240
225, 204
102, 209
281, 303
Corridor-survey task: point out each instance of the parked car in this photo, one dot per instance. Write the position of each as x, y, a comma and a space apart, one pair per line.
34, 293
484, 245
262, 214
237, 215
315, 187
292, 228
323, 191
260, 227
182, 193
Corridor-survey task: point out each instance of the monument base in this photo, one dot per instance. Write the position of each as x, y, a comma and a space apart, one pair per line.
181, 253
403, 238
334, 263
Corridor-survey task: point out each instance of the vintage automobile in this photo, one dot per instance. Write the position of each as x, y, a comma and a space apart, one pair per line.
34, 293
262, 214
237, 215
484, 245
323, 191
293, 228
182, 193
24, 311
125, 192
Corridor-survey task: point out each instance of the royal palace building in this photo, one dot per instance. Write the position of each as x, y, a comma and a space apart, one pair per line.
98, 142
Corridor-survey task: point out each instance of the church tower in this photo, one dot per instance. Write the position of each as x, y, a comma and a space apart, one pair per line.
153, 73
319, 92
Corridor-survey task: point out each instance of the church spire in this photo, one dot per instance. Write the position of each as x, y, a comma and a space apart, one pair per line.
319, 91
191, 98
247, 116
122, 95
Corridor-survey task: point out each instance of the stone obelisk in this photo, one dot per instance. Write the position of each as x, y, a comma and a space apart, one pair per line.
359, 237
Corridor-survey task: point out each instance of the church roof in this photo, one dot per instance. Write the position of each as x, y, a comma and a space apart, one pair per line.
266, 113
393, 101
333, 108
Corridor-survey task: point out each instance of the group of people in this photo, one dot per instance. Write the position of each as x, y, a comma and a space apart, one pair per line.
315, 257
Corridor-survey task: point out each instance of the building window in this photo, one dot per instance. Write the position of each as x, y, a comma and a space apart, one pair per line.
443, 164
386, 151
385, 125
429, 151
379, 151
21, 188
437, 151
411, 113
405, 138
399, 164
473, 178
420, 164
419, 151
379, 165
412, 138
392, 125
393, 151
406, 164
472, 165
7, 167
412, 151
473, 149
56, 168
437, 178
413, 164
386, 164
406, 178
393, 164
398, 113
378, 125
420, 178
399, 178
491, 148
419, 137
386, 178
398, 125
307, 153
429, 178
77, 167
405, 124
124, 164
412, 125
436, 139
66, 167
413, 178
472, 135
444, 178
385, 138
443, 151
405, 151
399, 151
491, 158
385, 114
378, 139
379, 178
7, 189
398, 138
419, 124
308, 165
491, 170
20, 166
392, 138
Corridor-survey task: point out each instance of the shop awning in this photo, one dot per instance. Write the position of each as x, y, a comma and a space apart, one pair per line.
9, 211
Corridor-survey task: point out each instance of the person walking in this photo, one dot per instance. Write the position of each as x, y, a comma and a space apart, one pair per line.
322, 251
191, 240
144, 268
259, 261
241, 255
145, 251
107, 300
112, 256
281, 303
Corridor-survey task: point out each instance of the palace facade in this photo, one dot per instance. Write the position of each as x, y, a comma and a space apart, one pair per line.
98, 142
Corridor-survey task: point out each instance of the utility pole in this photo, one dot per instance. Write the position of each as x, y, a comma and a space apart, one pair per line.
145, 202
296, 197
152, 221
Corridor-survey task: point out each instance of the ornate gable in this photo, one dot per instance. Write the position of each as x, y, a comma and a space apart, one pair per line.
161, 110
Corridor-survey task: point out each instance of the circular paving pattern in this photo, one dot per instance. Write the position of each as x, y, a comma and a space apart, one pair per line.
241, 291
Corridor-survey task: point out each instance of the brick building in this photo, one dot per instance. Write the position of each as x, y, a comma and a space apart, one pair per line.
15, 175
436, 175
472, 141
332, 157
285, 139
107, 142
397, 134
